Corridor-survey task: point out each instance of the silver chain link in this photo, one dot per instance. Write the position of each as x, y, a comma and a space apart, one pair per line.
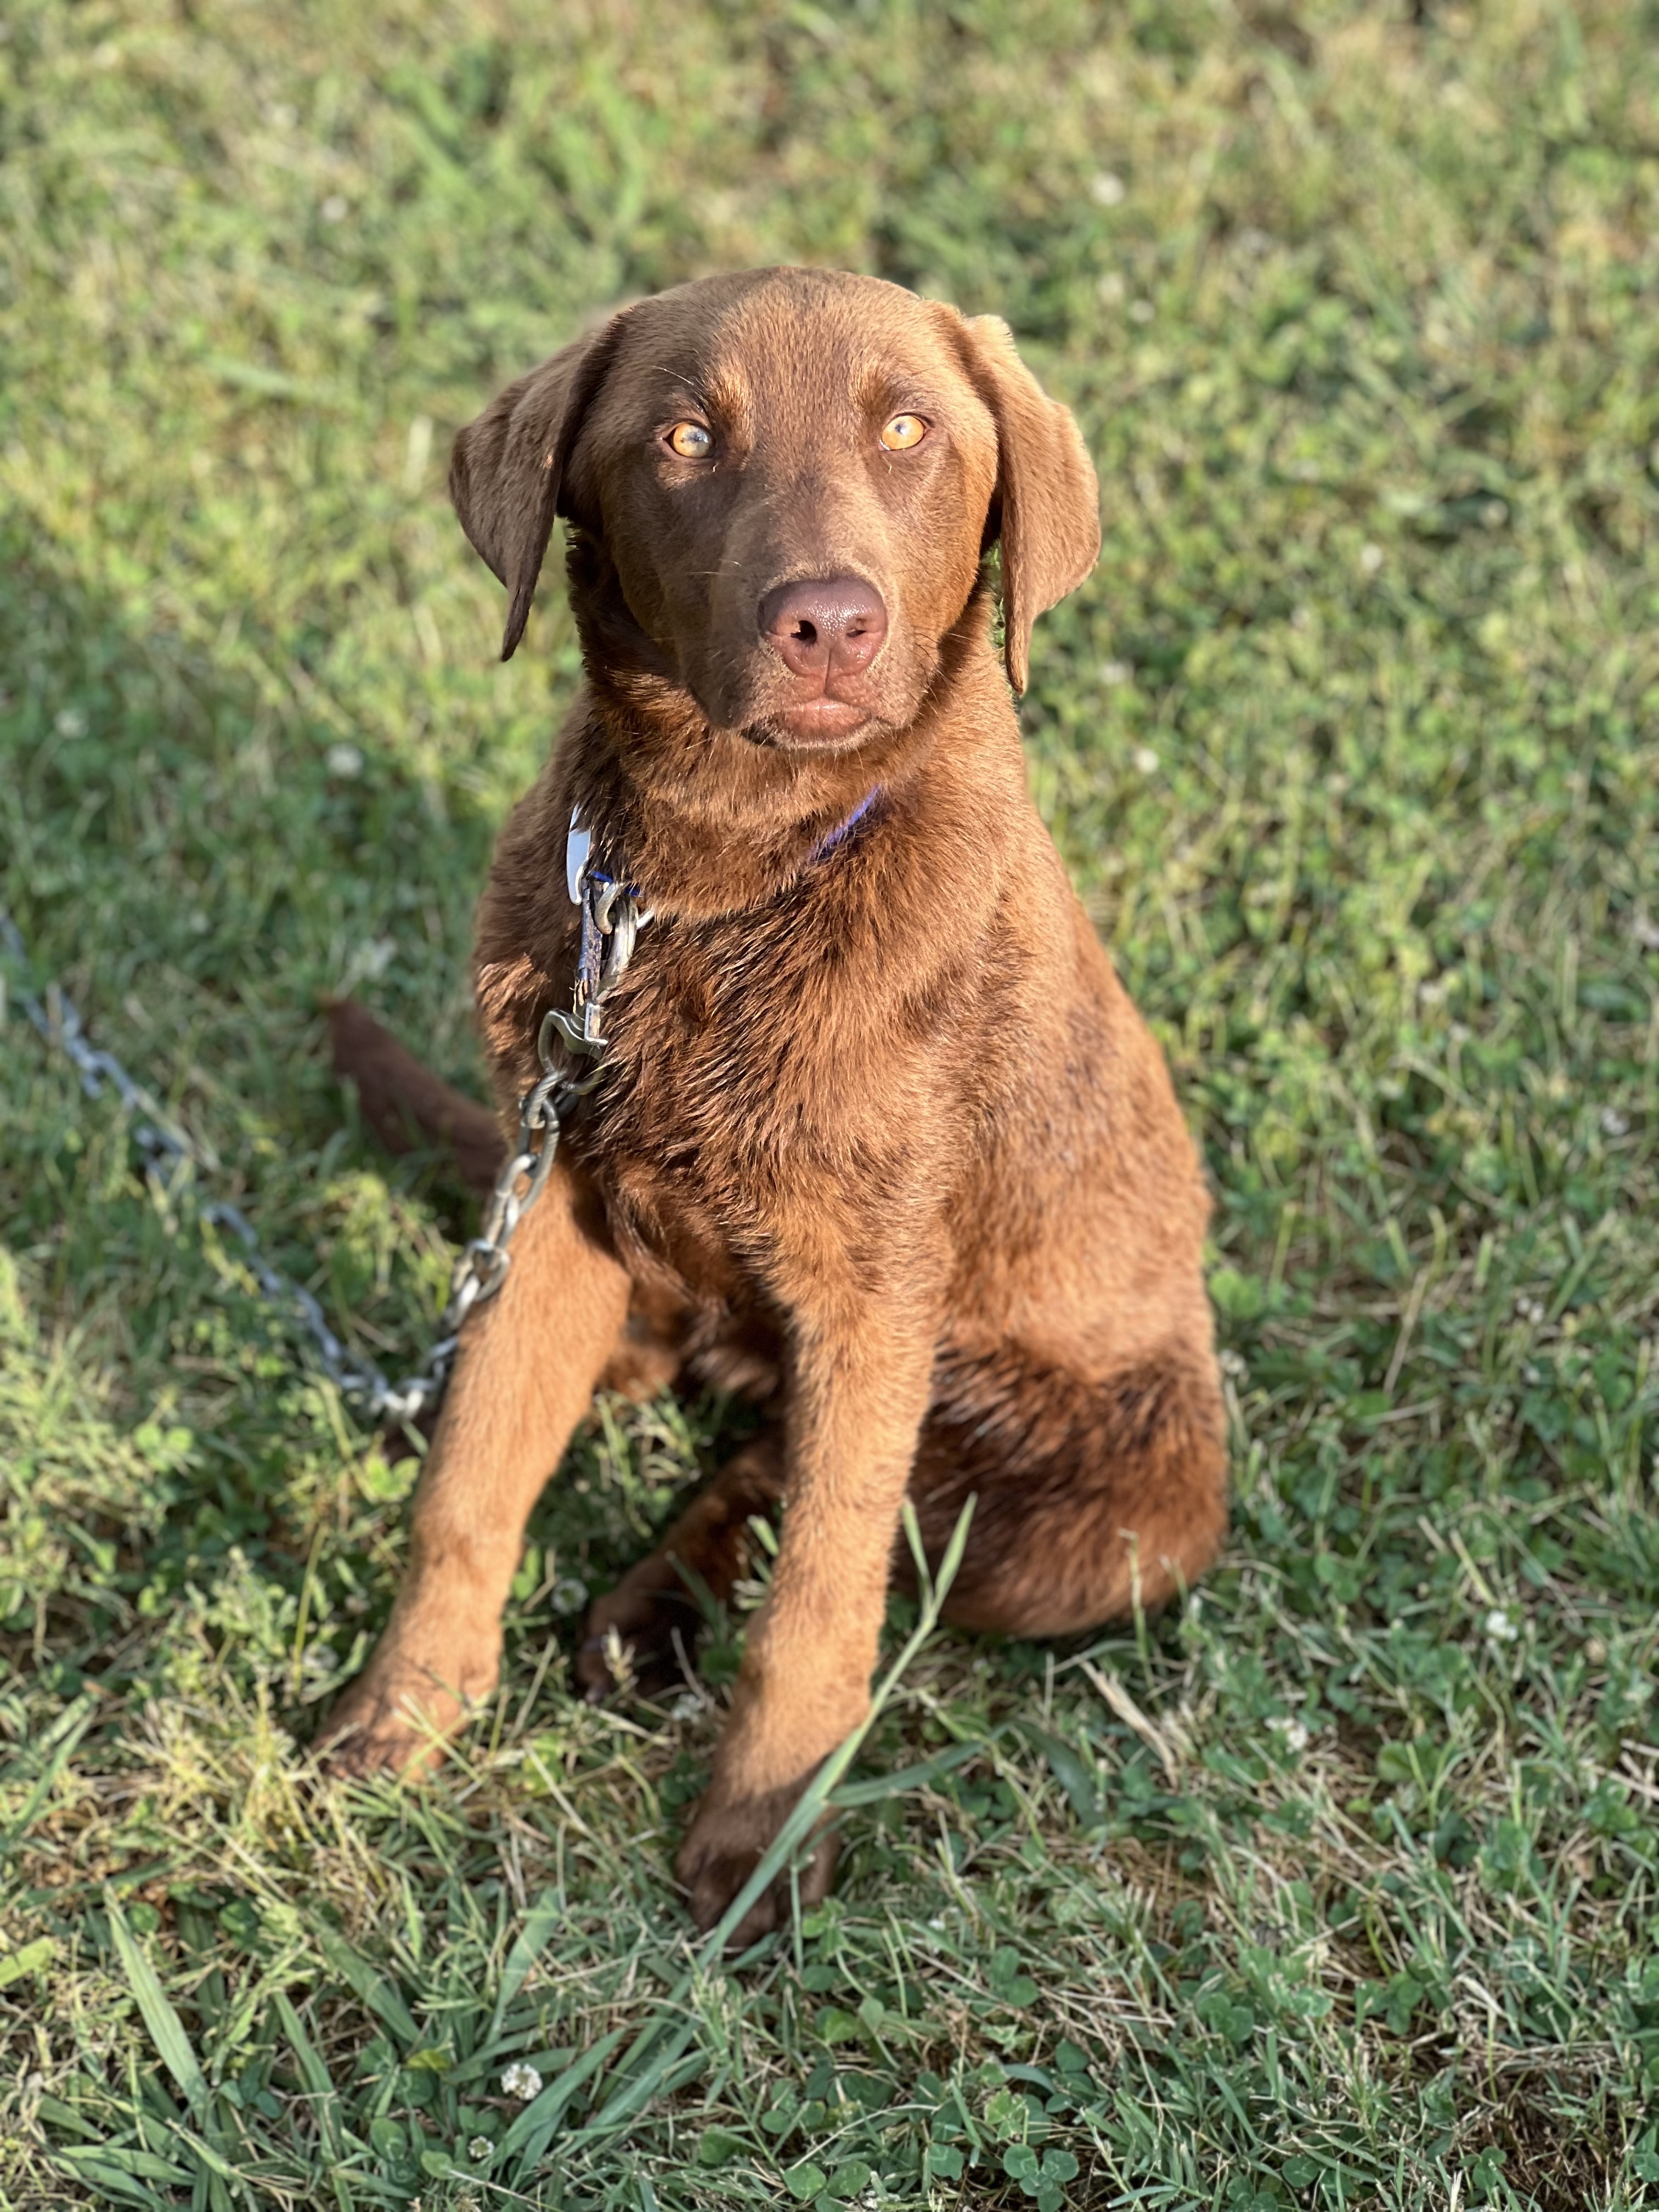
611, 919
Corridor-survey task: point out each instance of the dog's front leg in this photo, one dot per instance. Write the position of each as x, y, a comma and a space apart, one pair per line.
861, 1367
525, 1375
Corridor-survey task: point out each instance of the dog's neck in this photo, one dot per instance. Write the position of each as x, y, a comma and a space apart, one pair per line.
708, 822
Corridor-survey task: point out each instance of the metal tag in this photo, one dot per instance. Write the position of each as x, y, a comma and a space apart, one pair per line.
577, 846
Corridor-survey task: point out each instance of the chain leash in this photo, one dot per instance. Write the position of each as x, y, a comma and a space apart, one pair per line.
612, 918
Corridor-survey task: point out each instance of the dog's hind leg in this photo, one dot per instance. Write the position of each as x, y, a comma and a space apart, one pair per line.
1091, 1498
655, 1609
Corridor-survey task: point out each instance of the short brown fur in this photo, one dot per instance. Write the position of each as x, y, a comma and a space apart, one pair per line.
881, 1139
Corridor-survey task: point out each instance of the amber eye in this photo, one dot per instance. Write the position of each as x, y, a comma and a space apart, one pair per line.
902, 432
691, 442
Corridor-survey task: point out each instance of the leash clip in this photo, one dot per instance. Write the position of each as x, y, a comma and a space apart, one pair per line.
611, 919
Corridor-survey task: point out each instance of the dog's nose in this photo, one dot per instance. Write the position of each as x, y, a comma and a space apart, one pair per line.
824, 625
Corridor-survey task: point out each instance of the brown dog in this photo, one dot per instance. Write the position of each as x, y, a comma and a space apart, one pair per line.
880, 1138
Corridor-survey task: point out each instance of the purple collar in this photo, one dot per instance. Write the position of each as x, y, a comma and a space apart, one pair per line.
582, 877
842, 830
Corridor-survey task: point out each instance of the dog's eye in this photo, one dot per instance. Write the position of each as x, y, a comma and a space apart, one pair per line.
690, 441
902, 432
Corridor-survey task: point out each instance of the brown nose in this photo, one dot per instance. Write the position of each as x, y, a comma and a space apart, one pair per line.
824, 625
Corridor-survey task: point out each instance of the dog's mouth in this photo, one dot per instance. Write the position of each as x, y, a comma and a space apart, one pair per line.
828, 720
825, 725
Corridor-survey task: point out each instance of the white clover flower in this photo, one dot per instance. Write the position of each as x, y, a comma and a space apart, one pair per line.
69, 724
1614, 1123
1370, 559
1145, 760
1233, 1363
520, 2081
1107, 189
479, 2149
1115, 671
1499, 1627
344, 759
570, 1594
1292, 1733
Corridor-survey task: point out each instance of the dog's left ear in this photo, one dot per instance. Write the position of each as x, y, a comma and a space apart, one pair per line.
507, 468
1046, 508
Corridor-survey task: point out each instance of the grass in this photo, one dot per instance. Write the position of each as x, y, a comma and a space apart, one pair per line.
1339, 1887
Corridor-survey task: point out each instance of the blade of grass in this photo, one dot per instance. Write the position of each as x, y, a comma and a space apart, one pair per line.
319, 2085
378, 1991
145, 2163
29, 1959
67, 1734
542, 1918
852, 1794
815, 1796
219, 2169
166, 2030
119, 2188
802, 1820
532, 2129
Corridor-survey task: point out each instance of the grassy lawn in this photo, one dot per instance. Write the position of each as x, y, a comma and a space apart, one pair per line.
1339, 1887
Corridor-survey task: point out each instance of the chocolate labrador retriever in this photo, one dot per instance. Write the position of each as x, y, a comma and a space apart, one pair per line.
880, 1137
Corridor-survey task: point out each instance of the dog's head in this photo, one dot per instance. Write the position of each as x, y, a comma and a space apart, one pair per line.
783, 484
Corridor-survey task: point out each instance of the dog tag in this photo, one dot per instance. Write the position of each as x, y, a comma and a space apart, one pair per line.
577, 846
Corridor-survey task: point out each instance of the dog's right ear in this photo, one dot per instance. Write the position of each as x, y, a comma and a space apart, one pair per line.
507, 468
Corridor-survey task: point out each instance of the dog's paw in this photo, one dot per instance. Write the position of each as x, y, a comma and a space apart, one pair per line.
725, 1844
398, 1719
641, 1637
353, 1749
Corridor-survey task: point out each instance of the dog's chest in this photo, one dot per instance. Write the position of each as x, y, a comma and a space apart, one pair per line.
743, 1083
724, 1044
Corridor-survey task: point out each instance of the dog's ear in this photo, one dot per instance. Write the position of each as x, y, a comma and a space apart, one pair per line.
507, 468
1046, 510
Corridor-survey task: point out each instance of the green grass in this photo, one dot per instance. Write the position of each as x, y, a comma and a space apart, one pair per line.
1340, 1886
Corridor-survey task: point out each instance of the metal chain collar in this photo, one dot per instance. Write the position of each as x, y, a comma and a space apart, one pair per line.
612, 918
